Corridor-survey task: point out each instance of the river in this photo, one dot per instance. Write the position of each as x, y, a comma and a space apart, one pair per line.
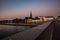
6, 30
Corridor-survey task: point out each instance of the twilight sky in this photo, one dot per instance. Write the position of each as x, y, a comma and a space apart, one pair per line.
10, 9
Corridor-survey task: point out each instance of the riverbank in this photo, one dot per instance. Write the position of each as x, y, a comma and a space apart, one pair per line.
21, 24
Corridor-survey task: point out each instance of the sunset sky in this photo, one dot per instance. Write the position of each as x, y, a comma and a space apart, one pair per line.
10, 9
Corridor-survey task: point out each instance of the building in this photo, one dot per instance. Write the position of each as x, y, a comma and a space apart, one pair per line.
58, 18
29, 19
38, 19
33, 20
48, 18
45, 18
41, 18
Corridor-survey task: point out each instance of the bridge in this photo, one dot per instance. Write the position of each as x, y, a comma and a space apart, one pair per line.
46, 31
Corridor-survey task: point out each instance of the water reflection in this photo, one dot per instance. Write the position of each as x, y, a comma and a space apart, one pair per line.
6, 30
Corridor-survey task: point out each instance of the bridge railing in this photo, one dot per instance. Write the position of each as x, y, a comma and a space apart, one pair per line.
41, 32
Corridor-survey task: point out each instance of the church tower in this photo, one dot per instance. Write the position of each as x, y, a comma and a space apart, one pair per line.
30, 14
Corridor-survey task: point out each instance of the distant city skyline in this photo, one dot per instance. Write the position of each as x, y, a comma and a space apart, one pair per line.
10, 9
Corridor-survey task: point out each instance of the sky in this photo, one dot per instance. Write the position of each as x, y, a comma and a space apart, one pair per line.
11, 9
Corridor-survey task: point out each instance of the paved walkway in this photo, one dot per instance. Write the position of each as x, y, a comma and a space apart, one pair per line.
30, 34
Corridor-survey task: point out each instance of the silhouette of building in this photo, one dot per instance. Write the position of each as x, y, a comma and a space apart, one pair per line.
38, 19
28, 19
30, 14
31, 19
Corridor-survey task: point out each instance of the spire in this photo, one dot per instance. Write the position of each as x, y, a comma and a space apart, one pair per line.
30, 14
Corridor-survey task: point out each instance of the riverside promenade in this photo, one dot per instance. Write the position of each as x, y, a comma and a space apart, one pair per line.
46, 31
33, 33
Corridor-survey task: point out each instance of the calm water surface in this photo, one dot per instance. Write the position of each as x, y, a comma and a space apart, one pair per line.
6, 30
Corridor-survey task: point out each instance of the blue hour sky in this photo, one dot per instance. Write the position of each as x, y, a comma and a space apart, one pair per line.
10, 9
